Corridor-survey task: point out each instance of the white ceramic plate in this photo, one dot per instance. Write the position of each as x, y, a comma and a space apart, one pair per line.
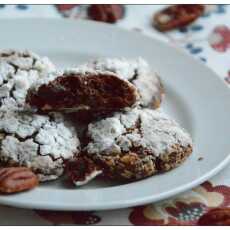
195, 96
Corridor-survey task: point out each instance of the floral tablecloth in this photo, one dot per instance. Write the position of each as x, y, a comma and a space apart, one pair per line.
208, 39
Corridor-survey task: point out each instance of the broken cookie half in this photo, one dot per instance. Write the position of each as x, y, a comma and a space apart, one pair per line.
83, 89
138, 72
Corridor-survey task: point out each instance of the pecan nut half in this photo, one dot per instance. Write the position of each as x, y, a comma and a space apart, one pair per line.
17, 179
106, 13
176, 16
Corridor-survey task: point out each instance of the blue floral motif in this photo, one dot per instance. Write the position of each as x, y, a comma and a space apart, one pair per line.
227, 79
196, 27
219, 9
193, 28
195, 50
203, 59
192, 49
183, 30
22, 7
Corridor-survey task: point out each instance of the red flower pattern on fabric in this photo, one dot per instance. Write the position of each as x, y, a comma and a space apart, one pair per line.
59, 217
187, 212
220, 38
182, 210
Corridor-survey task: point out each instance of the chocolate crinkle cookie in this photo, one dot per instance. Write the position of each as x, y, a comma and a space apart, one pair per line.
41, 143
137, 144
18, 70
83, 89
139, 73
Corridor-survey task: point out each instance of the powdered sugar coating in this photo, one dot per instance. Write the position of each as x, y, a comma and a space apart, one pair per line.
37, 141
138, 72
46, 80
147, 129
18, 70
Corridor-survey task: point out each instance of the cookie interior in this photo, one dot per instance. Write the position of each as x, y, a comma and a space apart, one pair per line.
78, 92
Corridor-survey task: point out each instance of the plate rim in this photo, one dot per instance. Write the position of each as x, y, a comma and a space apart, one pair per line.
128, 204
134, 202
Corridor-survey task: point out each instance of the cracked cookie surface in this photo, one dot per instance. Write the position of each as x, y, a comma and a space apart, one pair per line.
18, 70
39, 142
137, 144
138, 72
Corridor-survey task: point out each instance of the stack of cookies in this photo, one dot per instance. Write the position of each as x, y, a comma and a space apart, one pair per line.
100, 119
